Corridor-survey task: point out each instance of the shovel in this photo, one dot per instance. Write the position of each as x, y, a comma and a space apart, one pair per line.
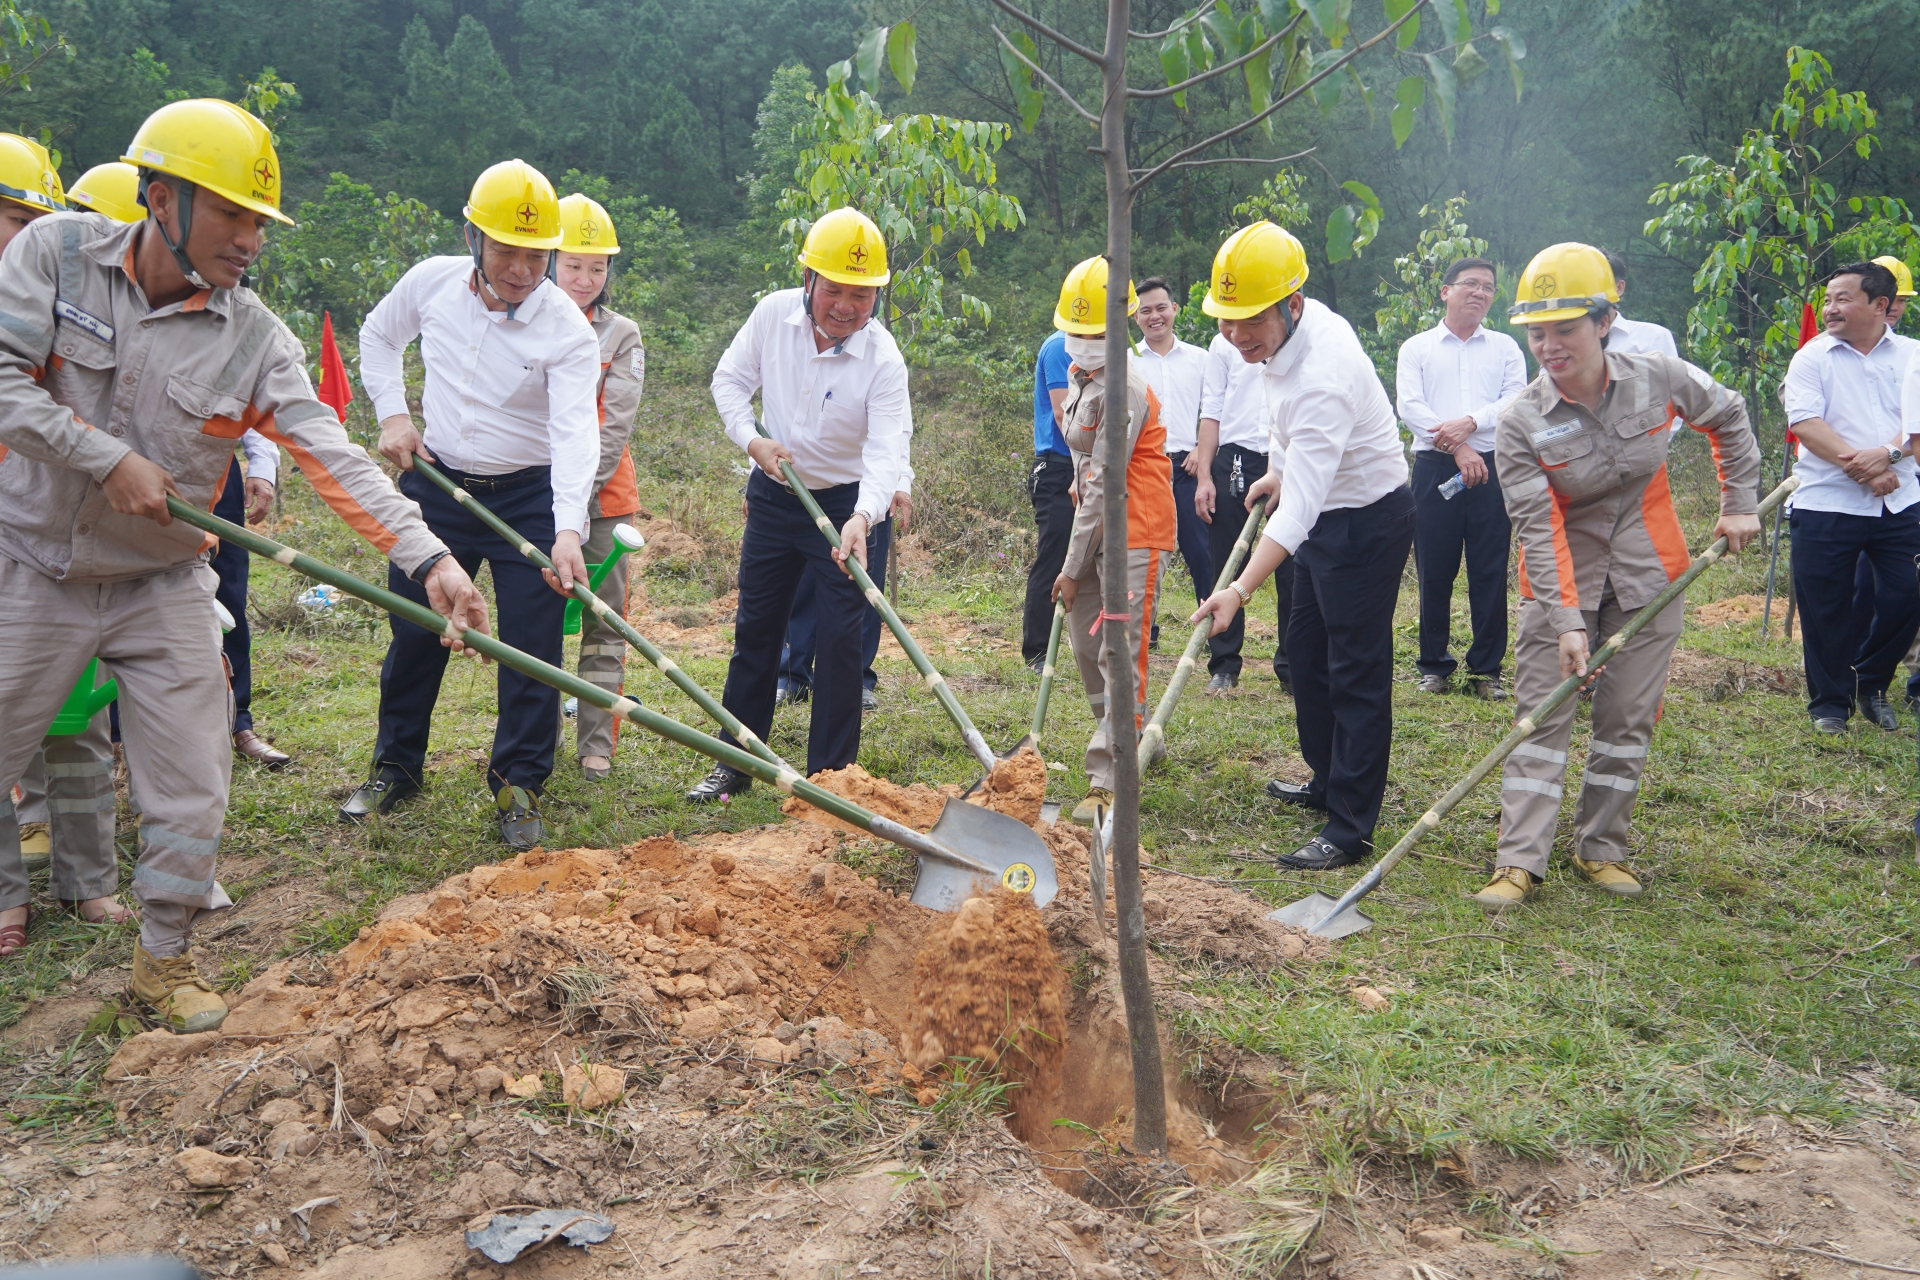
921, 663
1324, 917
1032, 740
968, 849
584, 597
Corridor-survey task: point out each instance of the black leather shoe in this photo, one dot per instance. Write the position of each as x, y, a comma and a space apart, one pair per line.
1294, 793
724, 781
869, 700
1877, 709
1829, 725
793, 691
1317, 854
378, 795
1222, 682
519, 813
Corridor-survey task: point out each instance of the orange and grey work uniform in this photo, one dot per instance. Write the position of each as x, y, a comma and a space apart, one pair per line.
1151, 530
1599, 538
90, 372
603, 654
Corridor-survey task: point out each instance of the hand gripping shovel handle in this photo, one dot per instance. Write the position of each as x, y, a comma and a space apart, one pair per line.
1525, 726
583, 592
935, 681
626, 708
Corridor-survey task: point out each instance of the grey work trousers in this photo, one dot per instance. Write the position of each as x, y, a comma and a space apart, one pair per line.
159, 637
1090, 654
1626, 705
603, 654
68, 784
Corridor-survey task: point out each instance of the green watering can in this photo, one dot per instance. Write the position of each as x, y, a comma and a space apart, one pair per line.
626, 539
86, 701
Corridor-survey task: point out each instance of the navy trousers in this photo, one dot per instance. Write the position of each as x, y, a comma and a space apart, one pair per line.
796, 664
230, 566
1340, 639
1047, 482
1843, 665
527, 614
781, 546
1863, 616
1190, 531
1475, 522
1234, 471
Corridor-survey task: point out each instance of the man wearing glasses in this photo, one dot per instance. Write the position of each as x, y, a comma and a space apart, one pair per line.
1452, 380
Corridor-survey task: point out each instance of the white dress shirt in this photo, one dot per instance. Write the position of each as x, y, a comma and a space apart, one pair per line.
1232, 397
843, 412
1635, 336
1441, 378
1332, 421
1178, 379
1859, 397
501, 395
263, 456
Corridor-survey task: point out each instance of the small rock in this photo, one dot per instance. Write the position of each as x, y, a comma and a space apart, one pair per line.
699, 1024
1103, 1271
1438, 1237
139, 1054
382, 1120
526, 1086
786, 1033
592, 1086
722, 864
420, 1007
1137, 1242
291, 1138
594, 904
1370, 1000
203, 1167
1321, 1258
280, 1110
769, 1049
276, 1253
705, 919
486, 1080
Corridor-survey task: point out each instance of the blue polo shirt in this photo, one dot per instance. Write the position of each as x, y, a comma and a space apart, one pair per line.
1049, 374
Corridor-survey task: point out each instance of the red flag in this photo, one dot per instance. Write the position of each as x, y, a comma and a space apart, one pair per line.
1809, 330
335, 391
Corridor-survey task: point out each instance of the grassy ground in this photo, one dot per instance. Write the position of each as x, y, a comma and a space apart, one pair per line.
1768, 960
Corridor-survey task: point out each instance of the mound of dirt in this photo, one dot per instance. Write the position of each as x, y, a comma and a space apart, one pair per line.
1016, 787
1740, 610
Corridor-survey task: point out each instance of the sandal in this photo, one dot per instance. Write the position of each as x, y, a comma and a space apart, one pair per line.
116, 912
13, 937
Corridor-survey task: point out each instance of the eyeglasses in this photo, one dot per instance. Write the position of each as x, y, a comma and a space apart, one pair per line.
1474, 286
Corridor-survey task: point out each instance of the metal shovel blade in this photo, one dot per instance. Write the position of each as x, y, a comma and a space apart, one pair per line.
1018, 857
1310, 913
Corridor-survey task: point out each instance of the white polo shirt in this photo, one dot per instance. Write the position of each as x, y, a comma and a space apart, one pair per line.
1332, 421
1441, 378
1859, 397
1232, 397
1633, 336
501, 395
844, 413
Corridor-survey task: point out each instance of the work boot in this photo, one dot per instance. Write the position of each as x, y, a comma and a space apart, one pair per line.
1611, 876
1509, 887
1431, 683
519, 812
36, 845
174, 989
724, 782
378, 795
1097, 798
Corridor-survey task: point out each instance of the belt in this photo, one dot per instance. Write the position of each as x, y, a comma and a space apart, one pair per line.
500, 483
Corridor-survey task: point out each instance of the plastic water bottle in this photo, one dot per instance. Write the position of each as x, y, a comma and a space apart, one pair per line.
320, 599
1453, 486
571, 706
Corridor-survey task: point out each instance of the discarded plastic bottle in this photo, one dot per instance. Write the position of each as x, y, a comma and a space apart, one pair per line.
1452, 487
319, 599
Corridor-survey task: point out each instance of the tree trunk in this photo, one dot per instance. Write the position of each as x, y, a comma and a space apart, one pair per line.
1143, 1033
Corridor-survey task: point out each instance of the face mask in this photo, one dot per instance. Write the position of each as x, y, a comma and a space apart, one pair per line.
1089, 353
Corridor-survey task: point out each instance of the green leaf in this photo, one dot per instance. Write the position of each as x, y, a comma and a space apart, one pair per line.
1444, 87
1259, 75
1462, 22
1330, 16
1175, 64
1274, 13
1396, 9
902, 59
1199, 51
1027, 99
1227, 29
1407, 98
867, 56
1326, 94
1468, 64
1515, 48
1340, 233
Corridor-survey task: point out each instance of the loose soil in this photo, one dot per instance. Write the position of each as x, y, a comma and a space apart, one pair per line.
1742, 610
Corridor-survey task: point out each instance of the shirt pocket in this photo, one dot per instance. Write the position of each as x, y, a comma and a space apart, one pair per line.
199, 445
1643, 440
1567, 454
79, 374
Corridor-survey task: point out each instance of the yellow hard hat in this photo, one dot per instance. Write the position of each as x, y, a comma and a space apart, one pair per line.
1563, 282
216, 145
27, 174
1902, 278
585, 226
846, 247
513, 203
1257, 267
113, 189
1082, 309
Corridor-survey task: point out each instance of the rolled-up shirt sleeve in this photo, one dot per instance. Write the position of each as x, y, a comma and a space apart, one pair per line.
737, 377
1213, 387
573, 428
883, 459
384, 335
1321, 425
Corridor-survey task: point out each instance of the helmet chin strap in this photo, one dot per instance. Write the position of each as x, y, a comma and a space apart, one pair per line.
183, 208
806, 300
475, 239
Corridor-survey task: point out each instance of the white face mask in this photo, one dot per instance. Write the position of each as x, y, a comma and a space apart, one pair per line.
1089, 353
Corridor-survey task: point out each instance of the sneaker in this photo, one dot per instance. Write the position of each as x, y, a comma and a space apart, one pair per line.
519, 813
174, 989
1223, 682
1611, 876
1509, 887
1088, 809
1436, 684
378, 795
1492, 688
36, 845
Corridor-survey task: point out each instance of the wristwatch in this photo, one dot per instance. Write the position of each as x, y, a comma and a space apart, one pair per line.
1894, 454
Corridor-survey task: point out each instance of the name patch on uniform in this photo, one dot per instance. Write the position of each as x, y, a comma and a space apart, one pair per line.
75, 316
1543, 438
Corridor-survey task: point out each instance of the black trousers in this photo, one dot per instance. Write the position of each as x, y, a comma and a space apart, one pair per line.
230, 566
1340, 638
1863, 614
1047, 483
1475, 522
782, 545
796, 664
1841, 664
1190, 531
1234, 470
527, 614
